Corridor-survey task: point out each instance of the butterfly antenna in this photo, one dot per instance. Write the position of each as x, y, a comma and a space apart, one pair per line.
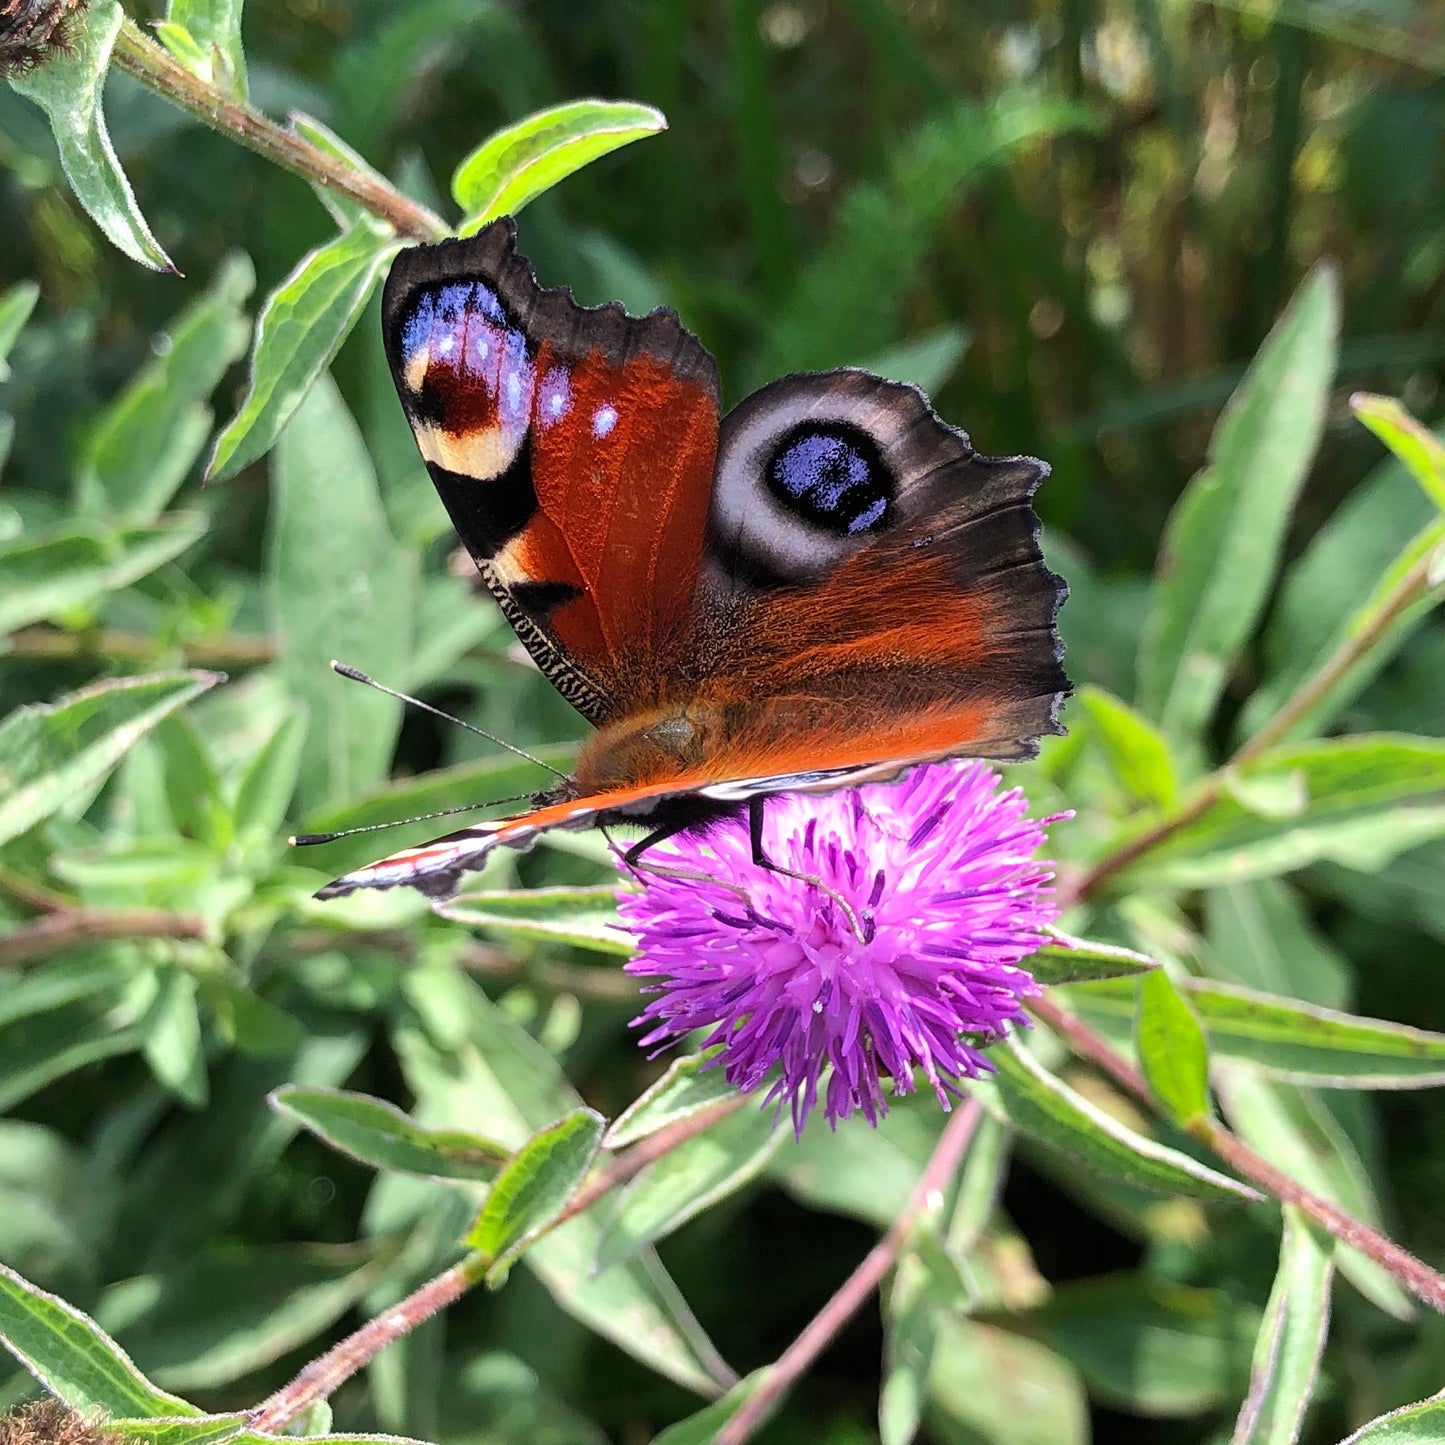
356, 675
308, 840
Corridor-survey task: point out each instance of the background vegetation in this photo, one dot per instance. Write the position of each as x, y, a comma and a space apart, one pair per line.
1075, 223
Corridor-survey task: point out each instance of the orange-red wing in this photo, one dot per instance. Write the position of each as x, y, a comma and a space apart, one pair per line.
574, 449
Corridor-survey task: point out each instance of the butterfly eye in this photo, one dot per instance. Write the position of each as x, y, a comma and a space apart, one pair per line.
832, 476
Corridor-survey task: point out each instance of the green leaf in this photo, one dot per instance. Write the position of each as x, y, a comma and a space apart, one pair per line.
1224, 537
16, 304
51, 1042
1293, 1130
926, 361
146, 441
533, 1189
1422, 1424
517, 164
68, 89
702, 1428
1287, 1352
1335, 595
994, 1385
1172, 1050
1370, 798
688, 1180
1149, 1346
51, 753
73, 1357
1078, 960
263, 795
1260, 935
493, 1075
220, 1314
339, 586
582, 917
300, 329
1287, 1039
214, 27
344, 211
78, 564
379, 1134
1026, 1095
688, 1087
230, 1430
1135, 749
173, 1045
1420, 450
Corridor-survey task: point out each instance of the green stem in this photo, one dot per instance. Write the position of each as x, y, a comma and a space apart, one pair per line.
157, 69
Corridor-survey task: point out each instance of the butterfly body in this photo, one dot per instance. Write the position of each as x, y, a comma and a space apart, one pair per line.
826, 585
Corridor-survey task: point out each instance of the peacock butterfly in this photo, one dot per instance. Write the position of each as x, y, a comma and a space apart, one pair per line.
826, 586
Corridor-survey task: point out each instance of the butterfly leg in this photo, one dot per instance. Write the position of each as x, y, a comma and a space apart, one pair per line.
862, 928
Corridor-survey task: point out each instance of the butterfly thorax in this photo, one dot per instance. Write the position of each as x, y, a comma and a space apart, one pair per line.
648, 748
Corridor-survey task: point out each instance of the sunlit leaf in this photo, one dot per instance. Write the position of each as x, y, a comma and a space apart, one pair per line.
1172, 1049
73, 1357
49, 753
300, 329
1415, 445
214, 28
379, 1134
68, 89
583, 917
517, 164
1287, 1352
1224, 538
16, 304
533, 1189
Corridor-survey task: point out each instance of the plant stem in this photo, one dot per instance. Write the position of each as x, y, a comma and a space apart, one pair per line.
58, 931
825, 1326
234, 650
1423, 1282
325, 1374
1413, 586
156, 68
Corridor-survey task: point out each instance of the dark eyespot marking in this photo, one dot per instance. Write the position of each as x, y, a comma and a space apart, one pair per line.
833, 475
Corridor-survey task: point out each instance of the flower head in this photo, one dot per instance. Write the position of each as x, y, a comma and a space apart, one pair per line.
900, 950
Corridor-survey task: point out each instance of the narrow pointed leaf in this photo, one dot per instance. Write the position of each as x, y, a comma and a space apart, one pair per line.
534, 1188
68, 88
1292, 1339
379, 1134
689, 1179
73, 1357
76, 565
16, 304
1171, 1047
1136, 750
1369, 798
1225, 535
688, 1087
518, 164
1026, 1095
147, 440
51, 753
215, 28
1080, 960
300, 329
582, 917
1415, 445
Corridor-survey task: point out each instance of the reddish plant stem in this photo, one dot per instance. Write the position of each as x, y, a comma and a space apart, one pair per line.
233, 651
58, 931
155, 67
325, 1374
854, 1292
1426, 1284
328, 1372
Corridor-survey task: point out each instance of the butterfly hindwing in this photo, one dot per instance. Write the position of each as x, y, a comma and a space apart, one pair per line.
574, 449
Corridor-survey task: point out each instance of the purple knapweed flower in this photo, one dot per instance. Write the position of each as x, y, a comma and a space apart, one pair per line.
907, 957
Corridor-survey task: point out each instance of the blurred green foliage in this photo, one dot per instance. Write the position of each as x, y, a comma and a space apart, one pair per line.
1075, 224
